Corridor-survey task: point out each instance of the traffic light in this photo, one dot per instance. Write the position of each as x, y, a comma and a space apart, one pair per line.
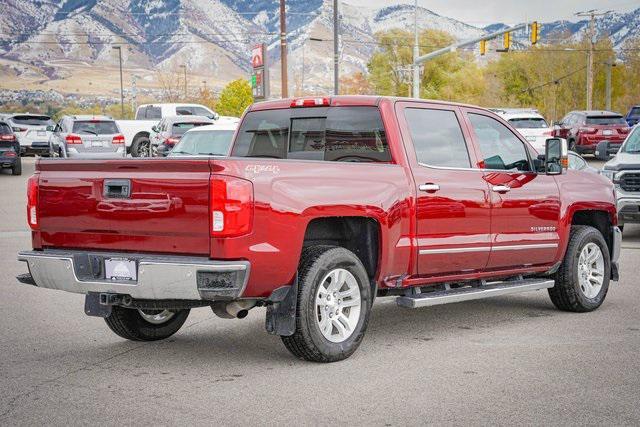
483, 47
506, 41
534, 32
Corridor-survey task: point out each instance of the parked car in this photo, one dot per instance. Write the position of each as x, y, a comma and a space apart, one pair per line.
624, 171
209, 140
87, 136
166, 134
33, 132
136, 132
529, 123
633, 116
593, 132
9, 150
578, 163
324, 204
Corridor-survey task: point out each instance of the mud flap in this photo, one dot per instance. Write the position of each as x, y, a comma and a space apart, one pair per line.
92, 306
281, 312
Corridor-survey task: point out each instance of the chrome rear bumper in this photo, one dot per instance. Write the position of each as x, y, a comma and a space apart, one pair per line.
158, 277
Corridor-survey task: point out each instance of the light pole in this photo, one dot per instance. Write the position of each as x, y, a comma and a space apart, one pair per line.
119, 49
609, 65
336, 31
284, 77
416, 54
592, 14
185, 80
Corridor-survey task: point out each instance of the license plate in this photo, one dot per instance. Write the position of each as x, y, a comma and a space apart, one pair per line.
96, 143
607, 132
120, 269
42, 133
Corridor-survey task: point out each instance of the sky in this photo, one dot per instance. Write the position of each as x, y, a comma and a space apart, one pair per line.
485, 12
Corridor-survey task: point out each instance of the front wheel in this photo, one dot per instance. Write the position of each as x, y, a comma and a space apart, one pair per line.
17, 167
145, 325
333, 305
140, 147
582, 281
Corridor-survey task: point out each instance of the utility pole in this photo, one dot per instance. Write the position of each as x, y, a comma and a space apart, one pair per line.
283, 50
119, 49
592, 14
416, 53
185, 80
134, 93
336, 31
609, 65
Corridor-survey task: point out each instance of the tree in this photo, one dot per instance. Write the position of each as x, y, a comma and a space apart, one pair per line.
235, 98
356, 84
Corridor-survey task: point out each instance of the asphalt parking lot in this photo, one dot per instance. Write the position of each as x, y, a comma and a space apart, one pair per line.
509, 360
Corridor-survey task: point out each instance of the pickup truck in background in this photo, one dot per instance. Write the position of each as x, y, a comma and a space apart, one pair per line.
324, 204
136, 132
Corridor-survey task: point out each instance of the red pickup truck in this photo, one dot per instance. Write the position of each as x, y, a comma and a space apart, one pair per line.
324, 204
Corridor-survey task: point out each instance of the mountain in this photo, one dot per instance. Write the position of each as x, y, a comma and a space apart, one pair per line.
67, 45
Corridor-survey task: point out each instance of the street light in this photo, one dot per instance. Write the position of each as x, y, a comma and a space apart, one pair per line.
119, 49
185, 80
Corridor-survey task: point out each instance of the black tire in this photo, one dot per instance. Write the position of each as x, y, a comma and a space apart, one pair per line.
572, 145
307, 342
139, 146
17, 168
129, 324
567, 295
602, 151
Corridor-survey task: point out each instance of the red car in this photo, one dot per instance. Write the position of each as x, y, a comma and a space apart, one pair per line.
324, 204
584, 130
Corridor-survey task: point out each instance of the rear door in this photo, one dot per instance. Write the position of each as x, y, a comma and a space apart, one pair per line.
525, 205
452, 201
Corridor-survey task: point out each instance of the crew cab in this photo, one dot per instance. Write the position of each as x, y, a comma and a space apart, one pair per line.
593, 132
323, 205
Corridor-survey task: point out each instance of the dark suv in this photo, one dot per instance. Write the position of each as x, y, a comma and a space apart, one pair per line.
593, 132
9, 150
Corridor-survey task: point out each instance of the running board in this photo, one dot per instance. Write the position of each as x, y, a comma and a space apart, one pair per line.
492, 289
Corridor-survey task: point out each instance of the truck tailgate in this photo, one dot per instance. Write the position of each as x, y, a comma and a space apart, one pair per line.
166, 211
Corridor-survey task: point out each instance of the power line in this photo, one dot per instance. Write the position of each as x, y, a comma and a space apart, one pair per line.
554, 81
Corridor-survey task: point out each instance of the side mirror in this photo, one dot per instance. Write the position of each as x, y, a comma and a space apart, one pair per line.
214, 116
154, 128
556, 156
51, 128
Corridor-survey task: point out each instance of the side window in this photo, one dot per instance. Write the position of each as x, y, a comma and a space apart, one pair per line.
199, 111
184, 111
437, 138
500, 148
153, 112
141, 113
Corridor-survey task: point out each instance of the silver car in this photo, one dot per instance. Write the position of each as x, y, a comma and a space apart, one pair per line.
88, 137
33, 132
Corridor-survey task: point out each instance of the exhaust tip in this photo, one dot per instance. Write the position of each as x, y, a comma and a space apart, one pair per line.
242, 314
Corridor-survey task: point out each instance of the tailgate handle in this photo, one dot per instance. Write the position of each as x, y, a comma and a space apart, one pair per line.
117, 188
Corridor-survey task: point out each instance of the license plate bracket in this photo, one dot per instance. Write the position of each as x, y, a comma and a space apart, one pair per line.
120, 269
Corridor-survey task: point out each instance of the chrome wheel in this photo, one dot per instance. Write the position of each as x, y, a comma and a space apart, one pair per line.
591, 270
338, 305
156, 317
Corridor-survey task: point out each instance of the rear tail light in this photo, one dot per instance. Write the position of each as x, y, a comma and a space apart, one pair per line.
624, 130
32, 201
73, 139
231, 206
588, 130
118, 139
310, 102
171, 141
9, 153
7, 138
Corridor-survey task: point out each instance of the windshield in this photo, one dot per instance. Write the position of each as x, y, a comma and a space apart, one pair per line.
529, 123
32, 120
204, 142
635, 112
606, 120
632, 144
95, 127
180, 128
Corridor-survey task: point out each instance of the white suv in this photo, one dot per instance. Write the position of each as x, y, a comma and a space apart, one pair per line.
529, 123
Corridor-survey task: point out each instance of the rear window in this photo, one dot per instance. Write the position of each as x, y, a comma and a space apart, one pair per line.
148, 112
95, 127
204, 142
181, 128
5, 129
605, 120
529, 123
32, 120
635, 111
335, 134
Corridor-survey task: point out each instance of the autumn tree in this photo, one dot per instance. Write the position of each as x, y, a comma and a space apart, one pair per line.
235, 98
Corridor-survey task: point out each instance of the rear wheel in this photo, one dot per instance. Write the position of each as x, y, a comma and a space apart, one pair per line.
140, 147
145, 325
17, 167
334, 299
582, 281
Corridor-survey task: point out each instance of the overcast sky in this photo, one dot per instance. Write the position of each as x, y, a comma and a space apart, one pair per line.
484, 12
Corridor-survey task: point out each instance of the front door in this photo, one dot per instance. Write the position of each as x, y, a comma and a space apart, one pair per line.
525, 205
453, 207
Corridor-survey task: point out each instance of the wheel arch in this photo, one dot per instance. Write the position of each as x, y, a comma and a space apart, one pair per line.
601, 220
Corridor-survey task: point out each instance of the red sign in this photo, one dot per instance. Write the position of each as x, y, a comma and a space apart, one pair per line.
257, 59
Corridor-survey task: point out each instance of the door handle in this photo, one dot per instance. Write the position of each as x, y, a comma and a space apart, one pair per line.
501, 188
429, 187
